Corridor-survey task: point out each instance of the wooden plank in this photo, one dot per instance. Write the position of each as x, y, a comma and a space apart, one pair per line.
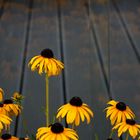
125, 66
12, 29
43, 34
128, 13
83, 73
2, 4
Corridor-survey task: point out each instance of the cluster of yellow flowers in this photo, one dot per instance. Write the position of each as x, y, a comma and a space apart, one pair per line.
74, 111
121, 116
122, 119
8, 109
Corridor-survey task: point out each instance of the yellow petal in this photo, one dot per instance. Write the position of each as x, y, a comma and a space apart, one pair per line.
77, 119
112, 102
35, 63
62, 111
49, 137
110, 111
1, 126
121, 128
71, 116
86, 115
81, 114
114, 114
58, 137
41, 67
1, 94
35, 57
59, 63
127, 115
64, 137
70, 135
88, 110
119, 116
131, 131
116, 126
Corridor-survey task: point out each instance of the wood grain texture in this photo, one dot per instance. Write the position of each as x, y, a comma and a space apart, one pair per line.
125, 65
43, 34
100, 52
12, 29
83, 73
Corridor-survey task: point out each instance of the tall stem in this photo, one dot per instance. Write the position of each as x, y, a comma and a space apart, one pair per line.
47, 100
127, 135
73, 126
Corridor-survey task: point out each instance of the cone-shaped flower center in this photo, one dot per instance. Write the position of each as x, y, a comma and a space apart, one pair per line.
121, 106
8, 101
130, 121
76, 101
47, 53
6, 136
57, 128
1, 105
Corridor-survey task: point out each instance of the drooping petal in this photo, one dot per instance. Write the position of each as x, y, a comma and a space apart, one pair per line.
88, 110
112, 102
77, 119
35, 63
86, 115
71, 116
81, 114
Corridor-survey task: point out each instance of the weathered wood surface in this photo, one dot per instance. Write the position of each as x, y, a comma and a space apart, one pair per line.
99, 44
43, 34
12, 37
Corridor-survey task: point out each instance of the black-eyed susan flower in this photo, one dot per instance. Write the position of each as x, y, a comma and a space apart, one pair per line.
11, 108
7, 136
46, 63
56, 131
17, 98
128, 125
74, 111
4, 121
118, 111
1, 94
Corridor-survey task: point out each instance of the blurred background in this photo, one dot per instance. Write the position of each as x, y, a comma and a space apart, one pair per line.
99, 43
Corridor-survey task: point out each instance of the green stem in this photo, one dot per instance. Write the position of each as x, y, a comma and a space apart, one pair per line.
127, 135
96, 137
7, 129
47, 100
73, 126
111, 133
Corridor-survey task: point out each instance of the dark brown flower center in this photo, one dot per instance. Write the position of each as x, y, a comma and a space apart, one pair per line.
8, 101
6, 136
130, 121
57, 128
47, 53
76, 101
109, 139
121, 106
1, 105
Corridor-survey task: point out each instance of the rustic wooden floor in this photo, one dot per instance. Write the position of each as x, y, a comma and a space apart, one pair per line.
99, 44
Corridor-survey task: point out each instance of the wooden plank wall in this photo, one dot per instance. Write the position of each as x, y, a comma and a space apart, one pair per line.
98, 43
